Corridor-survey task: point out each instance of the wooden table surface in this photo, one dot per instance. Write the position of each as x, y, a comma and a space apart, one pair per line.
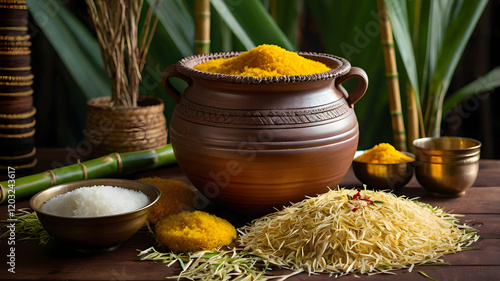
480, 205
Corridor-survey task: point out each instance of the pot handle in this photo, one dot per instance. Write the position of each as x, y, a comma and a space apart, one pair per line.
171, 71
360, 90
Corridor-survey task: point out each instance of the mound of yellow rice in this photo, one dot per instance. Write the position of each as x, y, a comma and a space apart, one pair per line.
348, 231
194, 231
176, 197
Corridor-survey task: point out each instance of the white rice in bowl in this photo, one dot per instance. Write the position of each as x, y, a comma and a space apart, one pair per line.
98, 200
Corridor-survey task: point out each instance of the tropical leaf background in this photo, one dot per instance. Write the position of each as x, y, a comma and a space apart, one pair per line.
68, 68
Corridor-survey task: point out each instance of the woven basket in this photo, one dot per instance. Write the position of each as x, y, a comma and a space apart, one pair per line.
123, 129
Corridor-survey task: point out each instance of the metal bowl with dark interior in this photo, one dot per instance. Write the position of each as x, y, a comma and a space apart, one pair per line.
447, 166
94, 234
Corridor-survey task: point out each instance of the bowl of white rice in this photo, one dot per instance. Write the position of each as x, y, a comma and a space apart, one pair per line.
94, 215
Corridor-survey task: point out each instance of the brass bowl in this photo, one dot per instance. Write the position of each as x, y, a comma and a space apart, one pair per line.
447, 166
94, 234
384, 176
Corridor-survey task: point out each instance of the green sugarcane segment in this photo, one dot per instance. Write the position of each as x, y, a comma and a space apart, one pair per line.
150, 159
110, 165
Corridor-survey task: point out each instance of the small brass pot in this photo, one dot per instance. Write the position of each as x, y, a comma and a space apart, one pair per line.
447, 166
384, 176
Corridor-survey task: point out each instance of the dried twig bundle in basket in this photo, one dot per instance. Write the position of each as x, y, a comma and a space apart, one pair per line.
123, 46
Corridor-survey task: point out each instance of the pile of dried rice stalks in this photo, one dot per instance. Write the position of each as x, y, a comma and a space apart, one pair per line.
347, 231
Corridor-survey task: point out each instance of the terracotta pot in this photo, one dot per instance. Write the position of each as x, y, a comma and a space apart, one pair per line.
253, 144
124, 129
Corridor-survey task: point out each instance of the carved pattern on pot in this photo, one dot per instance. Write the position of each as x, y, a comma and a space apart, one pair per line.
210, 115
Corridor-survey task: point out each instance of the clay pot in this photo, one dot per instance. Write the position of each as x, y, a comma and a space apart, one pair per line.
254, 144
123, 129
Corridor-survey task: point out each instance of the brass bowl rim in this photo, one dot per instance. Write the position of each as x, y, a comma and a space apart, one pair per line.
75, 184
418, 144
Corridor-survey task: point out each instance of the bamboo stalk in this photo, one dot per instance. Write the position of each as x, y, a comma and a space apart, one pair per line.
111, 165
202, 26
392, 76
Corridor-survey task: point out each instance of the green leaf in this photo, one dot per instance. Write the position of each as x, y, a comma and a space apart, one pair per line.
232, 22
176, 19
74, 45
452, 23
287, 13
354, 34
398, 15
439, 31
483, 84
462, 20
251, 23
173, 40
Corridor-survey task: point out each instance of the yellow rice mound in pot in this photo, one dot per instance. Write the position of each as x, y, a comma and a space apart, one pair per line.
264, 61
384, 153
194, 231
176, 197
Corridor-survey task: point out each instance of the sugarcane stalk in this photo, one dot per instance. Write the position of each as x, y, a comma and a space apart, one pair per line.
411, 113
202, 26
111, 165
398, 127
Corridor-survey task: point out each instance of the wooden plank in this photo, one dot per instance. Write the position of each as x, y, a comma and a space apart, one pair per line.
440, 273
487, 224
40, 262
489, 173
477, 200
480, 205
488, 254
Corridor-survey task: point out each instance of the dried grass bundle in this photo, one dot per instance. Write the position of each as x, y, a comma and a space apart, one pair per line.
123, 46
344, 231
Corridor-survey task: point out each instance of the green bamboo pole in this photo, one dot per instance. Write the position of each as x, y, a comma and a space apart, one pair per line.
115, 164
392, 76
202, 26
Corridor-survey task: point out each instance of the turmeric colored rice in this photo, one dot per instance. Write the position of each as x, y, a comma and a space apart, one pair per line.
384, 153
176, 197
264, 61
194, 231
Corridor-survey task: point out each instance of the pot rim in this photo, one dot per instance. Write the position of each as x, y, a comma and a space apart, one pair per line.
340, 66
430, 145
